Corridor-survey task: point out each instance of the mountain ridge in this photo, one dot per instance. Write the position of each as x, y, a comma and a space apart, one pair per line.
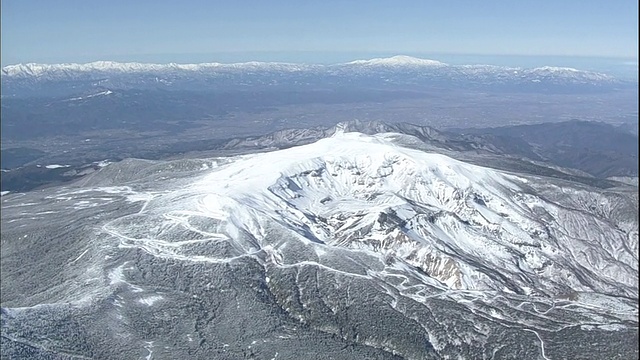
398, 61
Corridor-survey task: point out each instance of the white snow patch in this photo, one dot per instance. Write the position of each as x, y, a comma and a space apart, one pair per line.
148, 347
116, 277
150, 300
78, 258
612, 327
102, 93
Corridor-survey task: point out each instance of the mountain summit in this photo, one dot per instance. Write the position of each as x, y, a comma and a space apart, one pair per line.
398, 60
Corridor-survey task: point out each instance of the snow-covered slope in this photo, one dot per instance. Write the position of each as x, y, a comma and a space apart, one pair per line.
465, 226
354, 238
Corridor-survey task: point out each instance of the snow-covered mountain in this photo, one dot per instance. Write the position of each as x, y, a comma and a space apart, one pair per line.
466, 226
353, 239
61, 70
397, 61
399, 71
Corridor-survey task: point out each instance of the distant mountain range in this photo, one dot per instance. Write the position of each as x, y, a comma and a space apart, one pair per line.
398, 71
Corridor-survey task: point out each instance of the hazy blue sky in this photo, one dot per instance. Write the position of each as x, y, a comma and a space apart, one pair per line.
326, 30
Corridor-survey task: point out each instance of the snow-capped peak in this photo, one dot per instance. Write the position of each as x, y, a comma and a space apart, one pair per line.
340, 128
568, 72
398, 60
437, 213
556, 69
